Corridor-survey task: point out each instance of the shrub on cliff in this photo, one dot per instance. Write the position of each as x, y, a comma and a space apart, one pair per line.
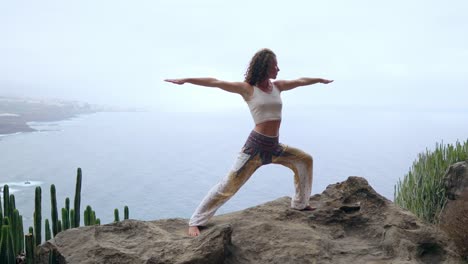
422, 190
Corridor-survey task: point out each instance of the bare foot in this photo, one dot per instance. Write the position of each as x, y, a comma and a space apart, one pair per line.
308, 208
193, 231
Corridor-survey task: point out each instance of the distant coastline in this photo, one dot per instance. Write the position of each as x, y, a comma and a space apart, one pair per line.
15, 113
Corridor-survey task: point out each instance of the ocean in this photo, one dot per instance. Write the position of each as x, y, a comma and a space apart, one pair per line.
161, 164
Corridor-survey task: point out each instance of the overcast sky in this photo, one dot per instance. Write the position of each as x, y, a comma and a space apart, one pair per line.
391, 53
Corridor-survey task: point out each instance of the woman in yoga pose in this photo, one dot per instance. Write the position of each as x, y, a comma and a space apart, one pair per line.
263, 96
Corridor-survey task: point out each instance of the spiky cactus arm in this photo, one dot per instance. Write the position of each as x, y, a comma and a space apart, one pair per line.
21, 233
38, 216
65, 219
1, 212
67, 204
126, 212
7, 252
87, 216
6, 201
72, 218
77, 198
12, 205
53, 211
116, 215
48, 235
30, 257
16, 231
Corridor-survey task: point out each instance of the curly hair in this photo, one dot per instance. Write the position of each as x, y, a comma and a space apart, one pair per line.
259, 66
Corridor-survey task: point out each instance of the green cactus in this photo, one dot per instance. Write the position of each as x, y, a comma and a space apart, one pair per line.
12, 205
67, 204
1, 217
65, 219
53, 211
38, 216
87, 215
7, 253
16, 231
1, 213
13, 233
116, 215
93, 218
47, 230
86, 218
21, 226
72, 218
53, 257
77, 198
30, 256
126, 212
11, 221
6, 201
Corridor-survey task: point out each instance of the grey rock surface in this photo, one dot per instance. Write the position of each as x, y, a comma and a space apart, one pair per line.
454, 216
456, 180
352, 224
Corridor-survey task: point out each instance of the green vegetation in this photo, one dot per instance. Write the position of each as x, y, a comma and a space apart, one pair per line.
29, 238
76, 219
126, 213
38, 216
54, 212
7, 251
116, 215
48, 235
422, 189
90, 217
13, 241
11, 229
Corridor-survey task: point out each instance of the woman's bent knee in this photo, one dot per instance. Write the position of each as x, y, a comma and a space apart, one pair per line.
308, 159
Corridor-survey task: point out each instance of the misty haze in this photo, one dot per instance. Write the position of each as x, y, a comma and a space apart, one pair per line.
81, 86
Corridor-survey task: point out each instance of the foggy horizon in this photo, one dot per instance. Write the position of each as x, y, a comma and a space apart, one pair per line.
398, 54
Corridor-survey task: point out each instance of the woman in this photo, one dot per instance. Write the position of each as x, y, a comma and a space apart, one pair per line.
262, 147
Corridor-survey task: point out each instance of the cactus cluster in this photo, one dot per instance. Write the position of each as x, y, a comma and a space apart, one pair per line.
90, 217
29, 244
7, 250
13, 241
11, 229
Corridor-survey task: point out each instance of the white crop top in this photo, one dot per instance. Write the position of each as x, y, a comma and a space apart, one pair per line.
265, 106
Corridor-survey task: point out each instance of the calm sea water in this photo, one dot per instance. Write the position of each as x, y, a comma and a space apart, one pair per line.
162, 164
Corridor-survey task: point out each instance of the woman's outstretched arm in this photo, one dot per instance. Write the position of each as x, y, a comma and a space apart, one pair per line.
285, 85
241, 88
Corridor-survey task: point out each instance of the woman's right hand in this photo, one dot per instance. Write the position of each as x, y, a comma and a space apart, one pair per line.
176, 81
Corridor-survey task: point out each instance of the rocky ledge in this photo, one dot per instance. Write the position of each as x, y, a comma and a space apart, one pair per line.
352, 224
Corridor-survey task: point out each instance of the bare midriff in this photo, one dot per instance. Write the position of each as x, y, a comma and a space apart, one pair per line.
268, 128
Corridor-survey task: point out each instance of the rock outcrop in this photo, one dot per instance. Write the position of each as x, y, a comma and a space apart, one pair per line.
352, 224
454, 217
456, 180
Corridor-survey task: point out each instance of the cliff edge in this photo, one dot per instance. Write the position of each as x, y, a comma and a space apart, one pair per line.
352, 224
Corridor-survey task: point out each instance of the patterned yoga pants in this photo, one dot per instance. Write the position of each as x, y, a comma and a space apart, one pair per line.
258, 150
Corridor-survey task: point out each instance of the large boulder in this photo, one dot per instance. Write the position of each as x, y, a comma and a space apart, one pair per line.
456, 180
131, 241
454, 216
352, 223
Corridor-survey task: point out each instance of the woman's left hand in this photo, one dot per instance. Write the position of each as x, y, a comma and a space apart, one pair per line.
325, 81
